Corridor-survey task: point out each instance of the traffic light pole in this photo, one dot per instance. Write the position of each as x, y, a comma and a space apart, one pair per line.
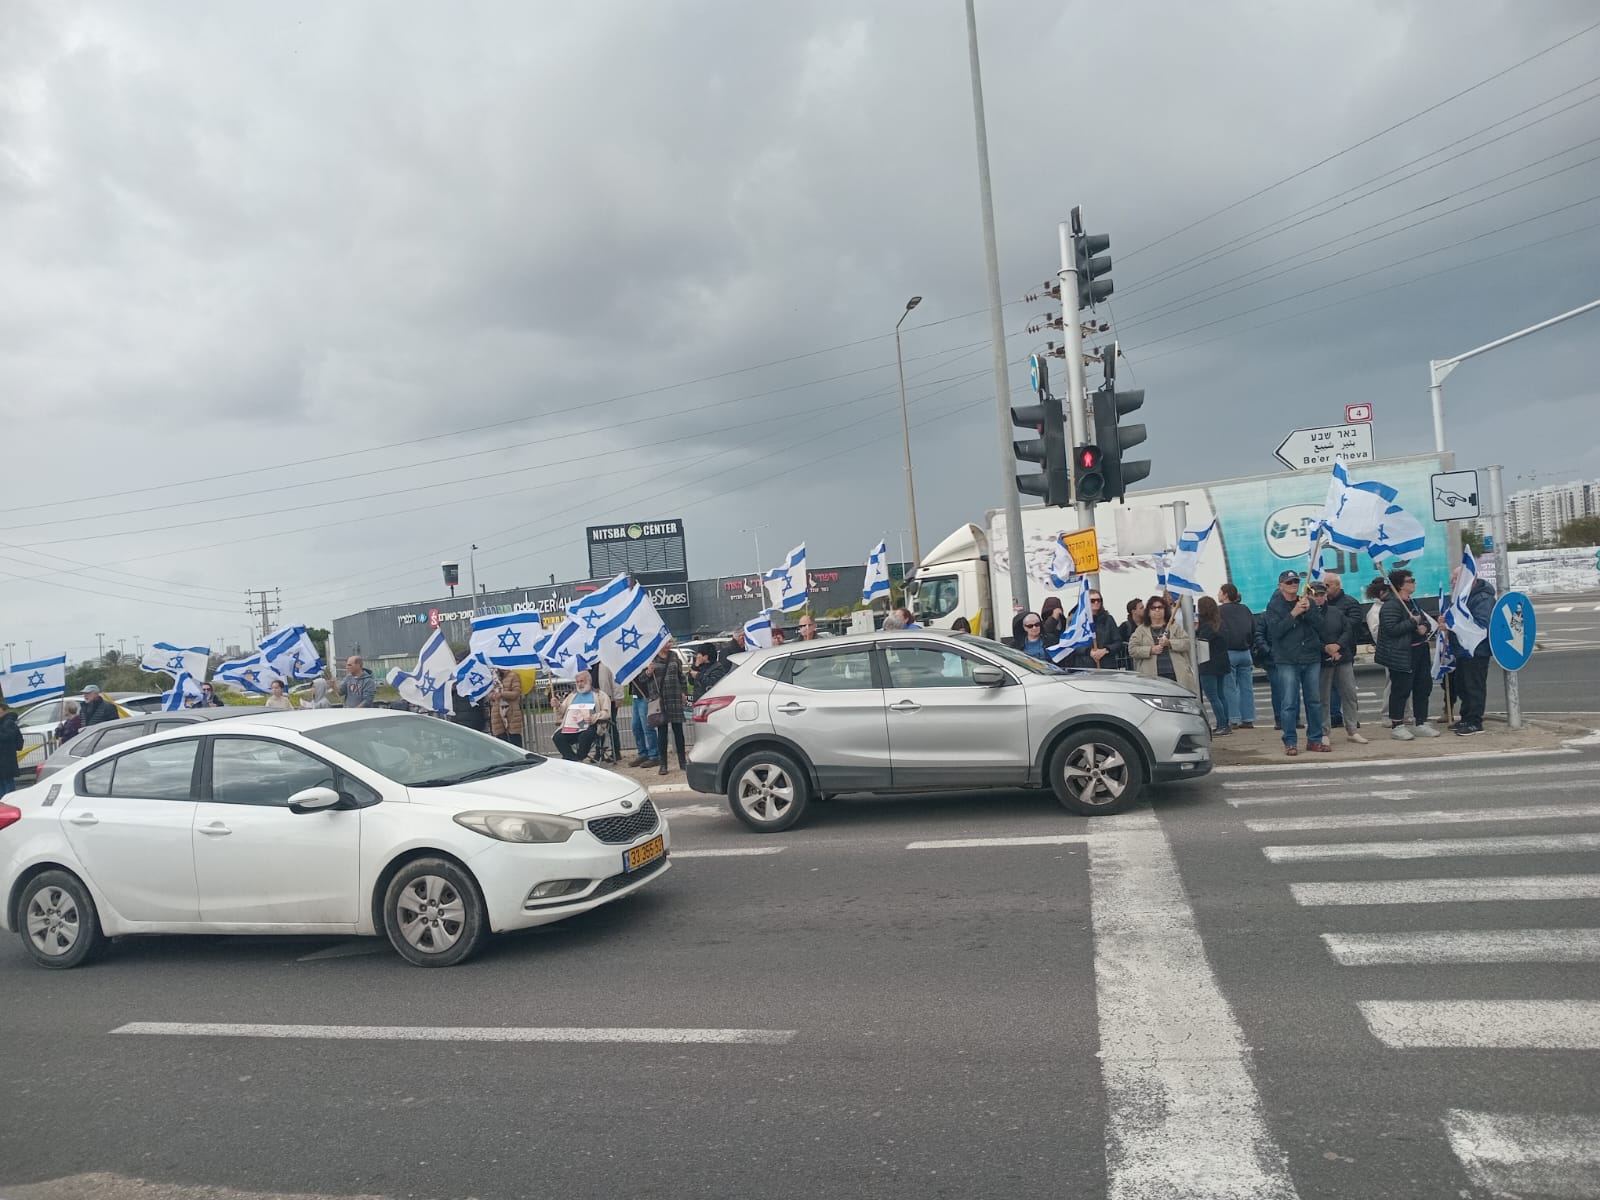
1502, 558
1077, 386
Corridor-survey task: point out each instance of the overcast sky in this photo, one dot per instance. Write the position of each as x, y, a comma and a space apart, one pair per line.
507, 270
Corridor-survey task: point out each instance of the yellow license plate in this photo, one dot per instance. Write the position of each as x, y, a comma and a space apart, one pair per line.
633, 859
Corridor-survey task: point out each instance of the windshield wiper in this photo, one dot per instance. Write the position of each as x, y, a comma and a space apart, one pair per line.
488, 772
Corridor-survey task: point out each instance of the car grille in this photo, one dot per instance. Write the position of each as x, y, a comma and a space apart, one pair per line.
617, 830
626, 879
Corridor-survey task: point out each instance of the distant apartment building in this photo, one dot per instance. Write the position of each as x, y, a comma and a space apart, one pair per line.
1537, 514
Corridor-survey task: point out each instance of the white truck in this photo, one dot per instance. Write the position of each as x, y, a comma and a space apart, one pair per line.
1264, 528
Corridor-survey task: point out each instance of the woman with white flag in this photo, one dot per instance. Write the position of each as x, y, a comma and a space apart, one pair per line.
1403, 647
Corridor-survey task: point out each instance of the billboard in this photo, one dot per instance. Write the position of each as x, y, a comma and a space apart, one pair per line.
652, 552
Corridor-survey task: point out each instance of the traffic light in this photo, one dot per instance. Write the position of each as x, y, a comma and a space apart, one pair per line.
1049, 449
1090, 261
1111, 436
1088, 464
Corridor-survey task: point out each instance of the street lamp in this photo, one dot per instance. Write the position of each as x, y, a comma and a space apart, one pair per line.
905, 429
755, 532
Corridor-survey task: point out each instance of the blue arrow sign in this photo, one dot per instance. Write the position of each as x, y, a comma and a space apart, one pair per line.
1038, 374
1512, 630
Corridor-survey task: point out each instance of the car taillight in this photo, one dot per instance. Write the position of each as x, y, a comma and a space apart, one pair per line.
9, 815
704, 708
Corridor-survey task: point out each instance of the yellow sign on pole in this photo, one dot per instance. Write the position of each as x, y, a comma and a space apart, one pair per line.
1085, 550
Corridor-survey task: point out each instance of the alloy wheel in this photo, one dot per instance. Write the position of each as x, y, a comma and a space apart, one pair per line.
766, 792
1096, 774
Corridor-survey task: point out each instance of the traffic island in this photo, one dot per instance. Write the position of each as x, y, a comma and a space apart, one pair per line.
1263, 745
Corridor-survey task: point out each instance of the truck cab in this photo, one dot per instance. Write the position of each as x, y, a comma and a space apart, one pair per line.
953, 581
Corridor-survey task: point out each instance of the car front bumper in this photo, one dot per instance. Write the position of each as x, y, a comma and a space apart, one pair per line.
1180, 748
508, 872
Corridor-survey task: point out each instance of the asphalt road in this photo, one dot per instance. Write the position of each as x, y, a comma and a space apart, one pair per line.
1139, 1006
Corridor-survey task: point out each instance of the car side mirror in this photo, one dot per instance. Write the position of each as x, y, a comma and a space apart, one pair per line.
314, 799
988, 676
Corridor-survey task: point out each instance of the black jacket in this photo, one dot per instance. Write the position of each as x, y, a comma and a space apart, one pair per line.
1345, 622
97, 711
1216, 641
10, 744
1480, 603
1397, 633
1238, 626
1107, 636
465, 712
1260, 643
708, 676
1296, 641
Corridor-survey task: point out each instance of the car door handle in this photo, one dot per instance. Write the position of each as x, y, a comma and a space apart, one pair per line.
791, 708
215, 829
906, 706
84, 819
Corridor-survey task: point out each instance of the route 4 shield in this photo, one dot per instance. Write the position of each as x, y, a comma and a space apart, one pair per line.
1512, 631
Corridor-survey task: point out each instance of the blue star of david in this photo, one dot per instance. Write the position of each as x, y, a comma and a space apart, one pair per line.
36, 679
175, 663
426, 683
564, 654
629, 638
591, 619
509, 639
252, 675
1343, 500
476, 680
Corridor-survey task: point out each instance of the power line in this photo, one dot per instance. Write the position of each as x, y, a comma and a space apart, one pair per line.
1365, 141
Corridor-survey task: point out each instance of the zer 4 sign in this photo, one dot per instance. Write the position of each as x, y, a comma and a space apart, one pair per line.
1316, 449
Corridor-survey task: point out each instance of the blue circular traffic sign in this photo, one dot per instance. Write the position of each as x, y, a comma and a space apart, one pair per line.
1512, 630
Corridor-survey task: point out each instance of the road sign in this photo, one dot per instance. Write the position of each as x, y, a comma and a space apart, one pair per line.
1085, 550
1512, 630
1313, 449
1455, 495
1357, 412
1039, 374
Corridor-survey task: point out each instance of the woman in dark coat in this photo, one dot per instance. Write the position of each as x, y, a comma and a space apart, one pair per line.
1403, 631
670, 688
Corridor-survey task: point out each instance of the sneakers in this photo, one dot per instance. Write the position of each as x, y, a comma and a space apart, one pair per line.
1464, 730
1222, 731
1401, 734
1426, 730
1357, 737
1247, 725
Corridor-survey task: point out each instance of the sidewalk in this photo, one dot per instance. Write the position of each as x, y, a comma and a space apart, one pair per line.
1264, 744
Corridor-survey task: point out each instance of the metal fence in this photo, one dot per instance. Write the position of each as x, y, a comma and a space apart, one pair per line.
539, 727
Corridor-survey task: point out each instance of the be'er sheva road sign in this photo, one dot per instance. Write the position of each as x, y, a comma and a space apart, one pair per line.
1315, 449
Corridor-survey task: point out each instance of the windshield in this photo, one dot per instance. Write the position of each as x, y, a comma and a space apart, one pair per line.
935, 596
1016, 658
423, 751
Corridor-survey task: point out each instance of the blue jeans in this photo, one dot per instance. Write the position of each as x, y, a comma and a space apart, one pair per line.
644, 738
7, 785
1291, 682
1215, 689
1239, 686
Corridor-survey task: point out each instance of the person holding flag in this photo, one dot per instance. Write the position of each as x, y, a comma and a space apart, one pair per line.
1403, 633
1293, 629
504, 702
1471, 606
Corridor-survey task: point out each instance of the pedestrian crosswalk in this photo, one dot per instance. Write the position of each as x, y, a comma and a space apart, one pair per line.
1496, 948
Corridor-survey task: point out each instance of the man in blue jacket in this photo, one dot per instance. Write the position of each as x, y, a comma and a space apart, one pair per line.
1470, 679
1294, 632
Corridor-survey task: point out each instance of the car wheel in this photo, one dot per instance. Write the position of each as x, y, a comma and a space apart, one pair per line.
433, 913
58, 921
768, 791
1095, 772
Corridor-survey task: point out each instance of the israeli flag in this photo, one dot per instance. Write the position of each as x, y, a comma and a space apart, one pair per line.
786, 585
1183, 567
1443, 659
595, 609
177, 660
436, 670
758, 631
876, 584
1399, 535
37, 680
290, 652
563, 651
630, 633
1353, 512
253, 674
1079, 631
1161, 559
409, 685
184, 687
474, 678
1063, 567
510, 641
1456, 614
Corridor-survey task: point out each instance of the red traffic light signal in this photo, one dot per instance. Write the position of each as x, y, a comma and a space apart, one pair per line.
1090, 475
1089, 458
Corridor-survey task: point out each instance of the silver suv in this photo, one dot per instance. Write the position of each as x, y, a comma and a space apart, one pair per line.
917, 711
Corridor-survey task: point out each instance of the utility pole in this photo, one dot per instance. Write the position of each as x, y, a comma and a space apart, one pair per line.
1502, 558
257, 604
472, 568
1077, 386
1180, 518
11, 655
905, 430
1016, 552
755, 532
101, 638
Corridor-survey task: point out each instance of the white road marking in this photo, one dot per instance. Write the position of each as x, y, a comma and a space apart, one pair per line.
1332, 797
1453, 777
729, 852
1519, 1154
1183, 1115
465, 1033
1322, 768
981, 843
1484, 1024
1565, 607
1485, 889
1456, 946
1557, 843
678, 812
1453, 816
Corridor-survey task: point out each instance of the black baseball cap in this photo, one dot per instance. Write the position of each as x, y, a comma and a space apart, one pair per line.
1289, 577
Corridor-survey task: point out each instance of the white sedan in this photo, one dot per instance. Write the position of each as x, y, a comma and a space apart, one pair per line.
306, 822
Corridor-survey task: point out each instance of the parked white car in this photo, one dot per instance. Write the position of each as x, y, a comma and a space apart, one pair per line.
319, 821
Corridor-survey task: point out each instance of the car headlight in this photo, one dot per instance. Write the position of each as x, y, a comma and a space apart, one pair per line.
520, 827
1177, 704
